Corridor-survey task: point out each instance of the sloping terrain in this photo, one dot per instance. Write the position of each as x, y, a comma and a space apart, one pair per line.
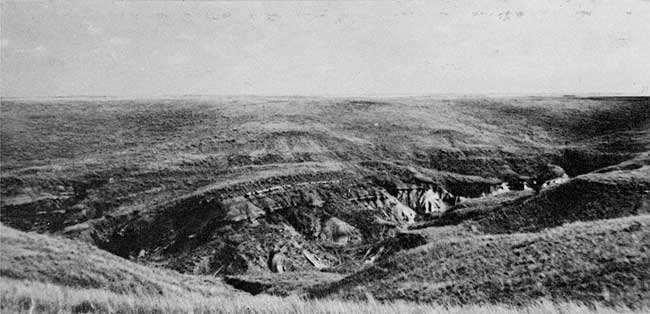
591, 196
214, 186
62, 262
604, 261
477, 252
614, 191
45, 274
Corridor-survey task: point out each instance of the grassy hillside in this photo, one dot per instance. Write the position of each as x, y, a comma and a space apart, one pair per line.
477, 253
603, 261
614, 191
43, 274
172, 134
592, 196
62, 262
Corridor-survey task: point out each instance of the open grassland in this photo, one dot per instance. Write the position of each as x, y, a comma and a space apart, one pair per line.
42, 274
602, 261
181, 135
593, 196
36, 297
59, 261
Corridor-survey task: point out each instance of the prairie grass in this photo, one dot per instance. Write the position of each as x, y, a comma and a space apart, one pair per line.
36, 297
48, 274
603, 261
41, 258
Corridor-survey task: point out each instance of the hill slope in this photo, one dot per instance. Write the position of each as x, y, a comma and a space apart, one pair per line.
46, 259
598, 195
44, 274
604, 261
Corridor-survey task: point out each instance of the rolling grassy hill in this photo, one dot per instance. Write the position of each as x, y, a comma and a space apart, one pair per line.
62, 262
617, 191
604, 261
566, 243
45, 274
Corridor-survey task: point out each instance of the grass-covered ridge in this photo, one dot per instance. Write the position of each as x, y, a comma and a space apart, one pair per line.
63, 262
67, 284
602, 261
610, 193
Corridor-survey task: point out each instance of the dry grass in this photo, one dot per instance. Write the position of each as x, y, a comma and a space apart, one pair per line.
40, 258
604, 261
44, 274
587, 197
35, 297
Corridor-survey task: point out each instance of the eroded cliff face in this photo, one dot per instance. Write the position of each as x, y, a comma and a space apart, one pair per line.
339, 219
333, 217
231, 229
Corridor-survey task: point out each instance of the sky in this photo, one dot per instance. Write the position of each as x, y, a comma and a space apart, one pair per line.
344, 47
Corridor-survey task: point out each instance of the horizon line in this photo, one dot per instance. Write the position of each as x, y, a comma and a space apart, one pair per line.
342, 95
